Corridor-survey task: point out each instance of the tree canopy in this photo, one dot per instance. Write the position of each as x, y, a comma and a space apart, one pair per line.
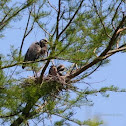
82, 35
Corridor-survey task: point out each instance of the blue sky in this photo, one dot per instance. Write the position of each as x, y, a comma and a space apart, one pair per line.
111, 110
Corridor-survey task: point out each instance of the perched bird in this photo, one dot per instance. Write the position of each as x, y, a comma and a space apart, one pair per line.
60, 69
35, 51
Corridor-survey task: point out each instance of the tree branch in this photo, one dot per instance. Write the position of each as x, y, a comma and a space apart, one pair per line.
71, 19
95, 61
57, 23
116, 11
43, 71
25, 34
52, 6
100, 19
114, 37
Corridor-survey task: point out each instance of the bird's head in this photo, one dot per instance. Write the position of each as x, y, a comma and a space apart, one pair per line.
60, 68
43, 42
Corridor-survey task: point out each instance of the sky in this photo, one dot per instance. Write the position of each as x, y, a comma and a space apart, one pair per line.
112, 109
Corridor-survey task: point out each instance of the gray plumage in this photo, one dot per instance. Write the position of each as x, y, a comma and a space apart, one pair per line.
35, 51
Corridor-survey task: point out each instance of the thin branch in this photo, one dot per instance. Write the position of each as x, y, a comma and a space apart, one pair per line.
100, 19
43, 28
69, 119
116, 11
19, 63
52, 6
11, 115
71, 19
94, 70
117, 50
5, 16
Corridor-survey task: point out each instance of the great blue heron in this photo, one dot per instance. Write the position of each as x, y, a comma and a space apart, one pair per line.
36, 50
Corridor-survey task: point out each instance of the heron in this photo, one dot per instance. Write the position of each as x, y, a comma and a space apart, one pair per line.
35, 51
